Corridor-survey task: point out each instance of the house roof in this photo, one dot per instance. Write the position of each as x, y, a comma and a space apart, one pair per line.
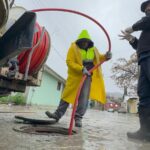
54, 74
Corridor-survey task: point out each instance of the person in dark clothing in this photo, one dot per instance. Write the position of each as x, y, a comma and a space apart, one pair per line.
142, 47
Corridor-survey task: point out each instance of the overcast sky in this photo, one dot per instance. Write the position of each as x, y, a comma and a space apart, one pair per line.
64, 28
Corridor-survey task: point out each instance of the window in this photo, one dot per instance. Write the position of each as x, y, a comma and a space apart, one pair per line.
59, 86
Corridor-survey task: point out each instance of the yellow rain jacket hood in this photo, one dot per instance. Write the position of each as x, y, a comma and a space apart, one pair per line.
84, 36
75, 66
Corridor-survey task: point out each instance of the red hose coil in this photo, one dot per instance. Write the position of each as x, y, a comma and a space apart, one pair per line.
39, 55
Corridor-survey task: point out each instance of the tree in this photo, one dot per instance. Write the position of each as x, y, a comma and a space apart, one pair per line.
125, 73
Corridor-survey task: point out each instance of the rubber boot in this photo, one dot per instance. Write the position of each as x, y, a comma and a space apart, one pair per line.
78, 123
144, 132
52, 115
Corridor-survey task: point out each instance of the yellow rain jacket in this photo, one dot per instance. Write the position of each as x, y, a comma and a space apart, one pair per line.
74, 63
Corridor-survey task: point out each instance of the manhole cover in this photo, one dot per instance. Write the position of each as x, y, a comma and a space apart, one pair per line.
27, 120
43, 130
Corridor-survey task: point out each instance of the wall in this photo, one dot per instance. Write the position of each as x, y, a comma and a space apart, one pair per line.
47, 93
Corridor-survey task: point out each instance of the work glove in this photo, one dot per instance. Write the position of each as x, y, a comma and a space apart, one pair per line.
108, 55
127, 36
129, 30
85, 71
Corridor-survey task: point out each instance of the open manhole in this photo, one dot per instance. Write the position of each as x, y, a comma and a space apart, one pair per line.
44, 130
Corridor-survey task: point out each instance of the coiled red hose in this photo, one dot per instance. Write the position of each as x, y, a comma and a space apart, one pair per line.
95, 67
39, 55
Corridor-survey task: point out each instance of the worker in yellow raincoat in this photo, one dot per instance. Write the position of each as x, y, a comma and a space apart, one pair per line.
82, 56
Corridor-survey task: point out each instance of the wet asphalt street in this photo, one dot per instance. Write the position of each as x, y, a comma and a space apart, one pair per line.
101, 131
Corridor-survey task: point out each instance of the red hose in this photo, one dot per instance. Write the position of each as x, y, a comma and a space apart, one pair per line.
95, 67
77, 97
81, 14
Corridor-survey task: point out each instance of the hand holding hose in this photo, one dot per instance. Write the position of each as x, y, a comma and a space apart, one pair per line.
85, 71
108, 55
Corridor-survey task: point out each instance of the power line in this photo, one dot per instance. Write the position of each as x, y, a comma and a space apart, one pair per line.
58, 53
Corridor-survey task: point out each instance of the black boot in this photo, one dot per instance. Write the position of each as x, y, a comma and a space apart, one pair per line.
78, 123
144, 132
52, 115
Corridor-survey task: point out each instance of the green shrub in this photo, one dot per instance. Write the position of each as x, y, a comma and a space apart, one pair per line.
4, 99
17, 99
